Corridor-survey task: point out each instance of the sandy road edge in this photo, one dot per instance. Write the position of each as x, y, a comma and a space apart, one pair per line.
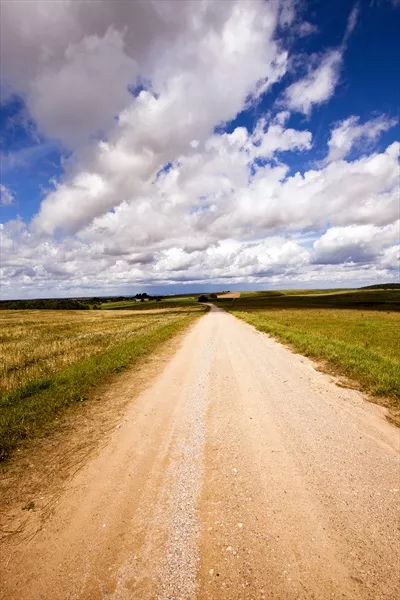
390, 412
36, 476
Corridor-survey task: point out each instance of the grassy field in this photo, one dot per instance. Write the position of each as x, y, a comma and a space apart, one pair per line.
388, 300
271, 293
172, 302
52, 359
356, 334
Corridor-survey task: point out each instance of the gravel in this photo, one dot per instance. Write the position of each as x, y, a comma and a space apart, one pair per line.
185, 477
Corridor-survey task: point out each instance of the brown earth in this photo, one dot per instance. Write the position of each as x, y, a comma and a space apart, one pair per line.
240, 473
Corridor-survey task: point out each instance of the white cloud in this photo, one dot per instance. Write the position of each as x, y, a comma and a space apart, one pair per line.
355, 243
212, 218
317, 86
152, 194
196, 193
351, 22
320, 82
74, 61
199, 82
350, 133
307, 28
82, 96
6, 196
76, 268
390, 259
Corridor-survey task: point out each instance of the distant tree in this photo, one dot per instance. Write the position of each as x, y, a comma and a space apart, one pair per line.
143, 297
44, 304
213, 296
202, 298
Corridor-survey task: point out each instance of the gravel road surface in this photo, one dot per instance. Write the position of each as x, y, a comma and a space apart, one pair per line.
242, 472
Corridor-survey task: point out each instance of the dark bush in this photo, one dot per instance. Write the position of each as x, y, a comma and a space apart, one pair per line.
202, 298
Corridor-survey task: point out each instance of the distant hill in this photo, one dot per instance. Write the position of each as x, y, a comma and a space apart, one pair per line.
382, 286
363, 299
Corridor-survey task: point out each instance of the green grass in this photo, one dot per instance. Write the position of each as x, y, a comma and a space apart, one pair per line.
360, 343
56, 377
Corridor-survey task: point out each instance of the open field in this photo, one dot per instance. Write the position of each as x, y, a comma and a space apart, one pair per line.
294, 292
165, 302
359, 299
350, 331
173, 302
51, 359
229, 295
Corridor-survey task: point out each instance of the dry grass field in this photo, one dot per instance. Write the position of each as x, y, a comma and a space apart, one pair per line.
230, 295
51, 359
38, 343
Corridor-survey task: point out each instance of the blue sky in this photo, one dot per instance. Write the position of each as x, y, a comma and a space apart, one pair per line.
368, 82
28, 162
258, 150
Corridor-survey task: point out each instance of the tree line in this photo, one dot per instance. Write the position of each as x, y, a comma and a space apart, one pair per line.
49, 304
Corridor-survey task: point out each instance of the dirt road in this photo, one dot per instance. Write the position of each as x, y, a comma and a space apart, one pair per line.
240, 473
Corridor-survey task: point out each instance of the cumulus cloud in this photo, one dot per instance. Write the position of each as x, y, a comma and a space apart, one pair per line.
215, 216
74, 62
320, 82
154, 191
82, 96
317, 86
350, 133
6, 196
200, 81
355, 243
124, 177
76, 267
202, 192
